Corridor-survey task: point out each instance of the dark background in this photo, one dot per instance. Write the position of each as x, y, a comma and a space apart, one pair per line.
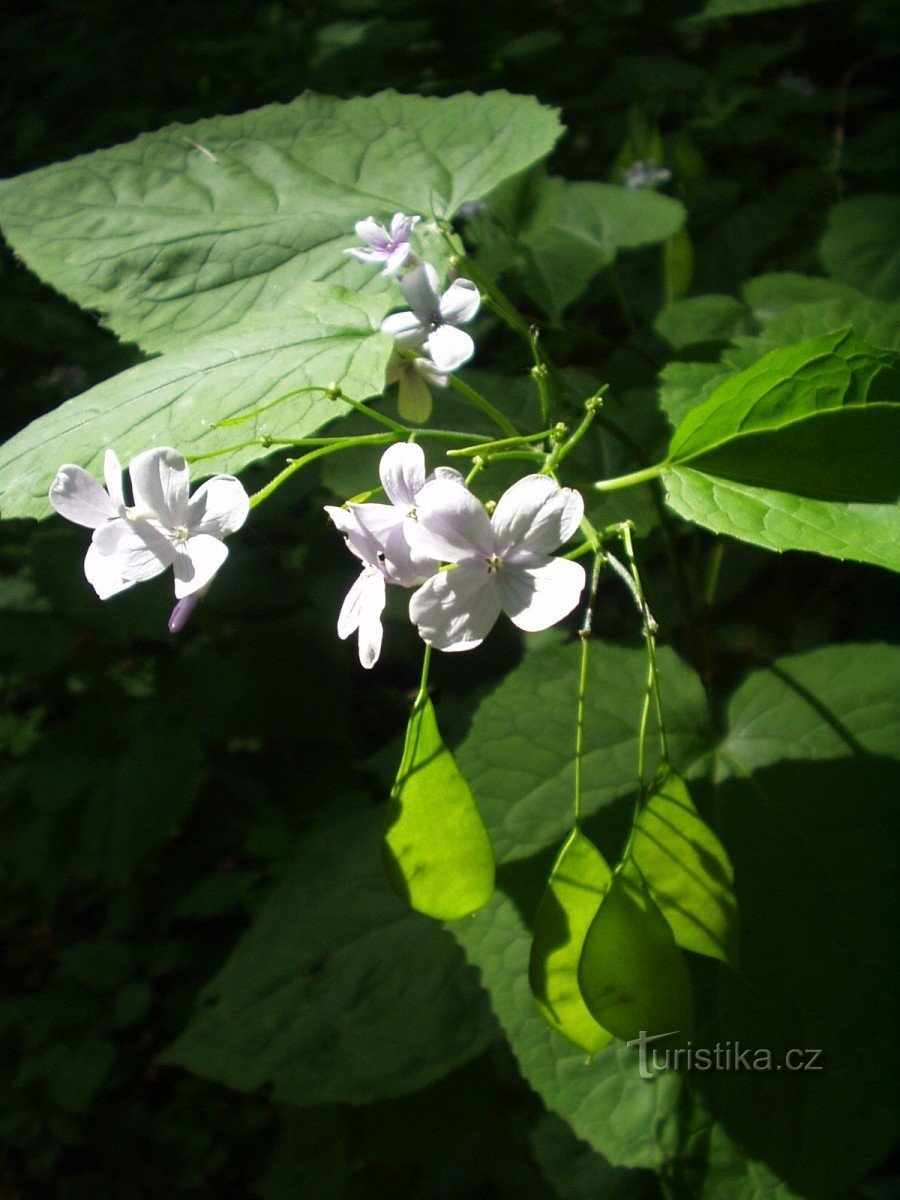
127, 871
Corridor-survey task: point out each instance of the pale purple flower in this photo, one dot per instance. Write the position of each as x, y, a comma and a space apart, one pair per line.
375, 533
502, 564
432, 324
166, 527
387, 246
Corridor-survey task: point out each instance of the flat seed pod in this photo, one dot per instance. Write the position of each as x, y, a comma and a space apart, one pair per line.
577, 883
687, 870
436, 849
632, 975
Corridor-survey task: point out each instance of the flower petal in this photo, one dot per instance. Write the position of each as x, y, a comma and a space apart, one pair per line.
196, 561
402, 472
406, 329
140, 550
402, 226
161, 484
78, 497
362, 609
359, 540
449, 347
372, 232
220, 506
451, 523
368, 256
460, 302
422, 290
456, 609
383, 525
104, 573
398, 259
112, 473
536, 516
537, 596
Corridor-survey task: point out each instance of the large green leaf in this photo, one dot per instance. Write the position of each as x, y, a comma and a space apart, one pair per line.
795, 452
861, 245
436, 849
325, 335
337, 993
185, 231
839, 706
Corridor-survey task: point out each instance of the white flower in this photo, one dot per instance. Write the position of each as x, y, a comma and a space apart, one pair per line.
503, 563
375, 533
432, 323
390, 247
166, 527
78, 497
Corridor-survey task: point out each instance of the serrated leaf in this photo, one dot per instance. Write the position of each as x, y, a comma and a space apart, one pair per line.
185, 231
860, 246
576, 886
437, 851
326, 335
336, 993
631, 973
687, 870
794, 452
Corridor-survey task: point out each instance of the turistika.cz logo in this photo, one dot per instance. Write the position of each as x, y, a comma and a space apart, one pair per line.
723, 1056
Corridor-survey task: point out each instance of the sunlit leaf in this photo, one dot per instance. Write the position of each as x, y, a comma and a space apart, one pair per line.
687, 870
632, 975
436, 848
575, 888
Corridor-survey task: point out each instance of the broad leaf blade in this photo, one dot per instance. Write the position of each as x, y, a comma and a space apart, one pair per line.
437, 851
687, 870
185, 231
576, 886
336, 993
860, 246
328, 336
632, 975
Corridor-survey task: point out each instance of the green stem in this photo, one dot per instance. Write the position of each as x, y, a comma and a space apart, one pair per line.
320, 452
627, 481
502, 305
539, 372
423, 684
584, 633
484, 406
500, 444
650, 638
565, 447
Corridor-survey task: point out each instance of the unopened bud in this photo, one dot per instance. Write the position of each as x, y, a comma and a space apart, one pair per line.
182, 612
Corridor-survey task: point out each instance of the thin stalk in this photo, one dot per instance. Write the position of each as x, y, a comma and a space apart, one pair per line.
423, 683
627, 481
500, 444
650, 638
584, 633
539, 372
484, 406
320, 452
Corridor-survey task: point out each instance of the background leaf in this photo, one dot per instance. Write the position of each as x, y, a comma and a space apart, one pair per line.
860, 246
186, 231
337, 993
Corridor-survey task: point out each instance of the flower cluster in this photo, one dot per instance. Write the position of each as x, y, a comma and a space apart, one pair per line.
429, 342
645, 175
467, 567
165, 527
